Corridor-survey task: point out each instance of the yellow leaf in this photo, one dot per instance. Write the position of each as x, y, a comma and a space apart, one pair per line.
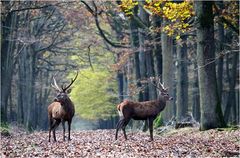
177, 37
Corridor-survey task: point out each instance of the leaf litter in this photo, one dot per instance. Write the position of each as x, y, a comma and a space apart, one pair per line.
188, 142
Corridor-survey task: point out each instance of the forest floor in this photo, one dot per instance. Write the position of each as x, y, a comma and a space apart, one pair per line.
100, 143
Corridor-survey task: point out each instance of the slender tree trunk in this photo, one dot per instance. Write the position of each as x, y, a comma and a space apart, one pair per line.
231, 102
195, 99
28, 92
150, 70
43, 107
211, 112
120, 85
220, 48
157, 51
135, 46
149, 47
125, 84
182, 81
168, 71
22, 88
142, 53
237, 106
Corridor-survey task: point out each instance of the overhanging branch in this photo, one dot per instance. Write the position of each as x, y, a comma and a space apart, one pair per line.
102, 34
224, 20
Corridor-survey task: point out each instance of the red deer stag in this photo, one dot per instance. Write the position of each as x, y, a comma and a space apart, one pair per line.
147, 110
61, 110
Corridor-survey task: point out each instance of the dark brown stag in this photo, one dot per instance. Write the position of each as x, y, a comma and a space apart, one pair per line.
61, 110
147, 110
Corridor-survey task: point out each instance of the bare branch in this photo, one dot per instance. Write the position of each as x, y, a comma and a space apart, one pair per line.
224, 20
89, 58
95, 15
30, 8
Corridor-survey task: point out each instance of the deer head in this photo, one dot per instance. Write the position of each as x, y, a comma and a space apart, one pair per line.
162, 91
63, 91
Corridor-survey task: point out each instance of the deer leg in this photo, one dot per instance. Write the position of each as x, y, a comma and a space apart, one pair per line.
69, 129
151, 128
118, 126
50, 129
55, 125
125, 122
63, 125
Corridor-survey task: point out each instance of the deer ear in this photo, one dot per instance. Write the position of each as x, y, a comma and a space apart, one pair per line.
69, 90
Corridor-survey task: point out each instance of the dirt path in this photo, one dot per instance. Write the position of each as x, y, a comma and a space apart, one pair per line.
101, 143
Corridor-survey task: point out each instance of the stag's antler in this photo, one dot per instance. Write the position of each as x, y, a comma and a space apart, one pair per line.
55, 86
159, 85
64, 89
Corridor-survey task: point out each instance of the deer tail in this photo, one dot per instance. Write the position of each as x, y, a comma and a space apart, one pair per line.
119, 110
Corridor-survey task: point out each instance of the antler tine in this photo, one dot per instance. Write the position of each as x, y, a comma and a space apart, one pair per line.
152, 82
55, 84
151, 79
160, 85
71, 82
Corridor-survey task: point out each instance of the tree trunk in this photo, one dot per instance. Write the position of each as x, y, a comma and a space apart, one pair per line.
142, 54
143, 58
125, 84
157, 51
211, 112
22, 87
120, 85
220, 48
195, 95
150, 70
135, 46
182, 81
7, 54
232, 76
168, 71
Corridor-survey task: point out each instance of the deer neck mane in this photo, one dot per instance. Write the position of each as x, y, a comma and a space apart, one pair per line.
161, 101
67, 104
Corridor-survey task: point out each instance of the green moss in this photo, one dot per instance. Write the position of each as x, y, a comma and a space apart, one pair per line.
229, 128
4, 129
158, 121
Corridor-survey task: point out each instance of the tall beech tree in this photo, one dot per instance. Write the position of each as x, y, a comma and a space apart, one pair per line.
211, 113
168, 70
